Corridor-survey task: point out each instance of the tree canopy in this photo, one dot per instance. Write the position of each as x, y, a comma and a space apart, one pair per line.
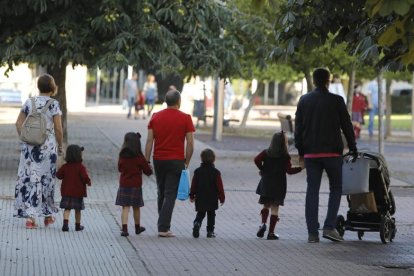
377, 31
200, 37
190, 37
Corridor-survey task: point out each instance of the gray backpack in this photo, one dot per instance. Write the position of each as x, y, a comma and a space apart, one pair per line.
34, 128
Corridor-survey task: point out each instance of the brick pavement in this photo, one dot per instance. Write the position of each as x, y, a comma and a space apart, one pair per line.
99, 250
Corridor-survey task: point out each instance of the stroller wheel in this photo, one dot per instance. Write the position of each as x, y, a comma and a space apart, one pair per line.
360, 235
394, 229
392, 202
340, 225
386, 230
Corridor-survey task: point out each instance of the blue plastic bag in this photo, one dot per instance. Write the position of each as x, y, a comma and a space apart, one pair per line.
184, 186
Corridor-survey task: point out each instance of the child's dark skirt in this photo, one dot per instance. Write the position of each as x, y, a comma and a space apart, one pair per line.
129, 197
270, 201
70, 202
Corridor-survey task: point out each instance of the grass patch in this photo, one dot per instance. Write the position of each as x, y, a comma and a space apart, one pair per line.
398, 121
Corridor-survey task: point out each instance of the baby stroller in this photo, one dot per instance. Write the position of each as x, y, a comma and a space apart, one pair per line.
371, 210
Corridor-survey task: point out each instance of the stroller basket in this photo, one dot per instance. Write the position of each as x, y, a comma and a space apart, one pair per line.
370, 211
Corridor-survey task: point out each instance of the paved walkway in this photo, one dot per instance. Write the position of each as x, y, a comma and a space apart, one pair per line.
100, 250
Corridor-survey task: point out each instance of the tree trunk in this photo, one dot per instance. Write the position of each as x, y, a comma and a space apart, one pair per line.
380, 114
412, 109
388, 110
218, 110
351, 84
309, 81
251, 103
58, 72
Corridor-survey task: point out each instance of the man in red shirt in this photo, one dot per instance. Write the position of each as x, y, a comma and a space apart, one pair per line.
170, 131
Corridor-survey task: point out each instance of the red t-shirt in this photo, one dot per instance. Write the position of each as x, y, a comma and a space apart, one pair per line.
170, 127
131, 170
74, 179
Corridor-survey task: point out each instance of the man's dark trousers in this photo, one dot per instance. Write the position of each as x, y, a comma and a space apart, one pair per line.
314, 170
168, 173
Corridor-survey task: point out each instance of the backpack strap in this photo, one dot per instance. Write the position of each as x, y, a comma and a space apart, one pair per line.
33, 105
44, 109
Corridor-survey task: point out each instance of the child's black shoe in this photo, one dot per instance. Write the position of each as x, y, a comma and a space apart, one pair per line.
211, 235
272, 236
79, 227
124, 234
139, 230
196, 230
262, 230
65, 228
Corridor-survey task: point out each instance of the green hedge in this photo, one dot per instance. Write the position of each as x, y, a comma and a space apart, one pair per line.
401, 104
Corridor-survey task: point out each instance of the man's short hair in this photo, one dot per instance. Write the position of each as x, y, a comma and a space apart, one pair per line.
321, 77
172, 97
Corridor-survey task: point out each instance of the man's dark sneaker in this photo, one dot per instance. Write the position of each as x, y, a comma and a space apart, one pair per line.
211, 235
196, 230
332, 234
124, 234
312, 238
262, 230
65, 228
272, 236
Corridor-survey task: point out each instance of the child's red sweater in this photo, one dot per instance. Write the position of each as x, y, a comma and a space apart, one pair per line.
74, 179
131, 170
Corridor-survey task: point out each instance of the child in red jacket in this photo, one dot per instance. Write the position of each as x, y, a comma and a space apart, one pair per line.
273, 164
74, 180
131, 165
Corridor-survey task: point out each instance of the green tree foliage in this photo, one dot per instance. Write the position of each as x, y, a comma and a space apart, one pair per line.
365, 26
398, 33
172, 36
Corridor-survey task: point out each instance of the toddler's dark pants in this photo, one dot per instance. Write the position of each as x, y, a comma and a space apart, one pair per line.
211, 219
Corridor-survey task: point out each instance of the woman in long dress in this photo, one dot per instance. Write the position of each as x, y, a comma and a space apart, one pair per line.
35, 187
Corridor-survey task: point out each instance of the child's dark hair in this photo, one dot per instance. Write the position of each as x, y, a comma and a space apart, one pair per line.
208, 156
131, 146
74, 154
277, 147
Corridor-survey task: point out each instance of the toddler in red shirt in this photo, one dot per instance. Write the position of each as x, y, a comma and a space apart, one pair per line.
131, 165
74, 180
140, 104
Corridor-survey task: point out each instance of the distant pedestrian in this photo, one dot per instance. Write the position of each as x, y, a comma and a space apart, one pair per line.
373, 105
170, 132
140, 104
151, 93
206, 190
131, 91
320, 119
337, 88
74, 178
273, 164
359, 105
131, 165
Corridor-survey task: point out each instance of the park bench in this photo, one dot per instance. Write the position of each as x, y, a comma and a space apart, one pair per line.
226, 122
286, 124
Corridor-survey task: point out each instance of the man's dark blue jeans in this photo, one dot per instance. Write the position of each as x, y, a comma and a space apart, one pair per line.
314, 170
